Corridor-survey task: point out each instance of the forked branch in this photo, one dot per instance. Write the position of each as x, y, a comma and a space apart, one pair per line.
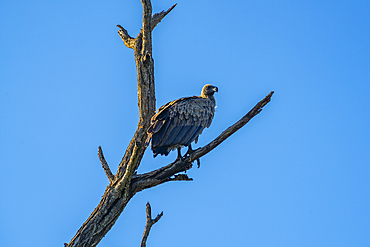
149, 223
157, 18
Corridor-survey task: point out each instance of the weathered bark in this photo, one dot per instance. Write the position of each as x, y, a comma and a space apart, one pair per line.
118, 192
124, 185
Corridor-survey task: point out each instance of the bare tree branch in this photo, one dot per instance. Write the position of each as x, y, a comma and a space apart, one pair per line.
149, 223
164, 174
105, 165
147, 28
157, 18
146, 87
127, 39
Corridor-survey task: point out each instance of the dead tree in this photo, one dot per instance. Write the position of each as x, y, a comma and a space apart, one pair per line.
126, 183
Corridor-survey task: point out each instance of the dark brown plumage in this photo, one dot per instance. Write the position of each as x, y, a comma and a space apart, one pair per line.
180, 122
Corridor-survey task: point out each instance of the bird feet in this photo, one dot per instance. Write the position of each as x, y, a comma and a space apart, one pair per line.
179, 156
190, 151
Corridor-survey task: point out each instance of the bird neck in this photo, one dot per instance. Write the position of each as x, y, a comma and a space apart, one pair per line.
206, 96
209, 96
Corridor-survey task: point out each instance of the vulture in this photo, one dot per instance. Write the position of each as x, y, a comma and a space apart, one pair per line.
180, 122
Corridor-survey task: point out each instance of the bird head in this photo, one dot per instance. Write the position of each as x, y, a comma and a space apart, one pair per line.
208, 90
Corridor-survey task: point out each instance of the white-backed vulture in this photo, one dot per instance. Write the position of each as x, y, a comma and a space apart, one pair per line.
180, 122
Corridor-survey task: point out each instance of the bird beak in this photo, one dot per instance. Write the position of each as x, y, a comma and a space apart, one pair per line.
215, 89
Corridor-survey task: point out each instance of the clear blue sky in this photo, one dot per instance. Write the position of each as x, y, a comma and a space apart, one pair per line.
297, 175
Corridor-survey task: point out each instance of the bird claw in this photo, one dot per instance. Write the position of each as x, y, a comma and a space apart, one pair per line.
190, 151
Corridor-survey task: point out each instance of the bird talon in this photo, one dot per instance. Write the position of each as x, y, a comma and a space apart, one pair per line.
198, 163
190, 151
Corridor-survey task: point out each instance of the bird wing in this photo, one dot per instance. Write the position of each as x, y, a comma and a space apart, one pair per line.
180, 122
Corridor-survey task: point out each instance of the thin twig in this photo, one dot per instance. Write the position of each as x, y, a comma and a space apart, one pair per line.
105, 165
127, 39
157, 18
149, 223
